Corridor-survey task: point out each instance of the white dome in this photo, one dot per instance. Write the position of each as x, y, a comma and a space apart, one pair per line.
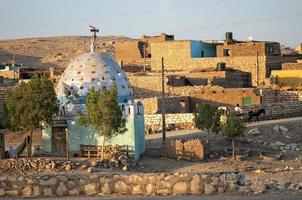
98, 70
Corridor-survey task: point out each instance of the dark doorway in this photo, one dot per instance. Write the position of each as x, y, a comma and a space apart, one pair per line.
58, 141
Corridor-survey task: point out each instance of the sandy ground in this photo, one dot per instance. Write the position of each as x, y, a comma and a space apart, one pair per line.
288, 169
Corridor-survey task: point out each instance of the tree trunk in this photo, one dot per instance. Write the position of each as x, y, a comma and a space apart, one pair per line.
233, 146
103, 146
27, 145
30, 143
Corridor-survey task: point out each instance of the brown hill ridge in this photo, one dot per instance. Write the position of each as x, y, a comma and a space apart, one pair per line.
53, 51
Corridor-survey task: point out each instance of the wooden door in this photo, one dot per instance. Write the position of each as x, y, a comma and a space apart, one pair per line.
58, 141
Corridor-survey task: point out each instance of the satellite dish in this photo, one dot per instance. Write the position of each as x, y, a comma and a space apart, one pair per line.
250, 39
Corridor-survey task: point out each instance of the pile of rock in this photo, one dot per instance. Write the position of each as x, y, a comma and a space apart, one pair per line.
24, 165
285, 147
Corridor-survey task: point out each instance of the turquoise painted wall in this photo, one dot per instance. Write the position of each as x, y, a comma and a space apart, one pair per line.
133, 137
209, 50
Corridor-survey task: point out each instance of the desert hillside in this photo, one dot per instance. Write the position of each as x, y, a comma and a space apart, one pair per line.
52, 51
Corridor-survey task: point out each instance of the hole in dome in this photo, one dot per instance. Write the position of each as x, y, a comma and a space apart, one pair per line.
104, 87
81, 66
82, 79
78, 72
93, 72
123, 86
71, 79
103, 78
93, 79
81, 88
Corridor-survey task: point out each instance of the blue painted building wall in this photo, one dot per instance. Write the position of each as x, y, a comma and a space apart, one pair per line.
197, 47
134, 137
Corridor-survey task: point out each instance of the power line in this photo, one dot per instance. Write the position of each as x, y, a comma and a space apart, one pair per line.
235, 23
113, 16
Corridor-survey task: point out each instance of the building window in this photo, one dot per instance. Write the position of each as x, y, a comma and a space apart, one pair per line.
182, 106
270, 49
247, 101
226, 52
202, 54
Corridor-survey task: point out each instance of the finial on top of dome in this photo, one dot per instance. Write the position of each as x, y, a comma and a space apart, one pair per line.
93, 30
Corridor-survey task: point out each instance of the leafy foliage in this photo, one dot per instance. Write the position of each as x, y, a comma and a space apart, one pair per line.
204, 116
207, 118
30, 104
104, 115
217, 126
234, 128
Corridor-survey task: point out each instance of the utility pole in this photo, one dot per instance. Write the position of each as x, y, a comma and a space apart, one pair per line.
144, 48
257, 67
67, 143
163, 103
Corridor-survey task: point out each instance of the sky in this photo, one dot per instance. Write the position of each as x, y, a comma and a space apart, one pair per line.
271, 20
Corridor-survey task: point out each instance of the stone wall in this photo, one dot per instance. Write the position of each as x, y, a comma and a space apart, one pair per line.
270, 96
129, 50
227, 79
218, 96
10, 74
51, 185
149, 86
179, 104
178, 120
292, 66
248, 49
278, 110
193, 149
145, 86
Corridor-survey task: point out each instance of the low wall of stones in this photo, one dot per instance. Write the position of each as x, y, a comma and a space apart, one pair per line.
292, 66
124, 184
193, 149
179, 120
279, 110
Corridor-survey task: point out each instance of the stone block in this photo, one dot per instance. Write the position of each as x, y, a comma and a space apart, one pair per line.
74, 192
106, 188
196, 184
150, 189
121, 187
90, 189
137, 189
62, 189
27, 191
181, 188
47, 192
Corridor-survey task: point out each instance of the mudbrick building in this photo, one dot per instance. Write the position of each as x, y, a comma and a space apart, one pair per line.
138, 51
256, 57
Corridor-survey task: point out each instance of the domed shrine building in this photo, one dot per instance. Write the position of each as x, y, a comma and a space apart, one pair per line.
99, 71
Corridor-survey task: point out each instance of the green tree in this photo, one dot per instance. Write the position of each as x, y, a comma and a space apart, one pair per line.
29, 105
233, 128
216, 123
104, 115
204, 116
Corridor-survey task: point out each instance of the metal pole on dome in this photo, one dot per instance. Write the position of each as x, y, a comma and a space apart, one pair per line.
93, 30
